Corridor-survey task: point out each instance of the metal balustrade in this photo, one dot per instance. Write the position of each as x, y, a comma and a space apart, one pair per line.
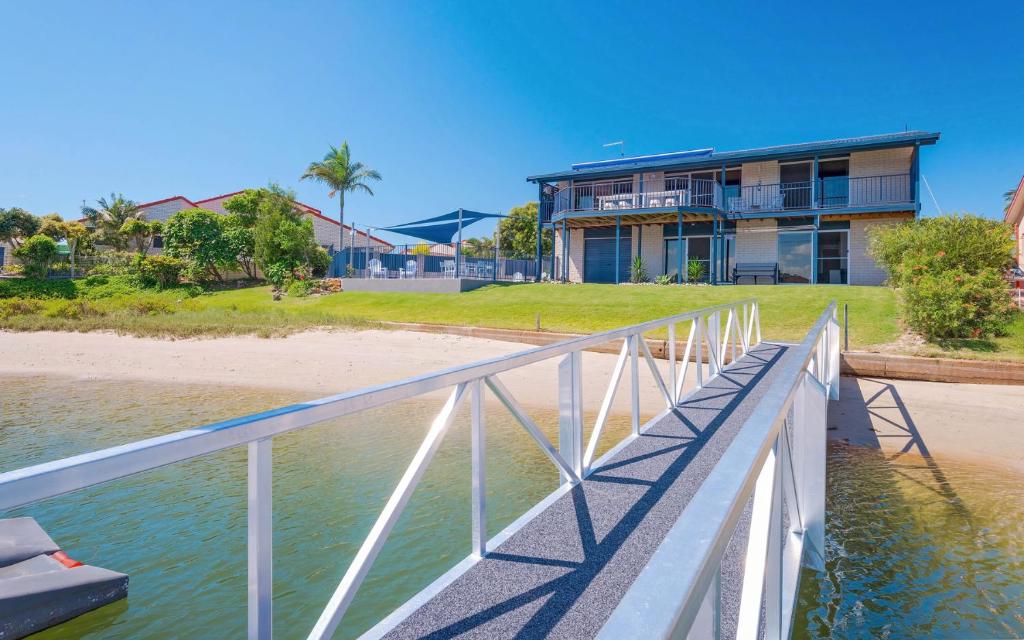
825, 193
618, 195
778, 460
715, 335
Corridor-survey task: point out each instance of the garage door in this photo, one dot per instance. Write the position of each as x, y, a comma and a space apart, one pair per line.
599, 254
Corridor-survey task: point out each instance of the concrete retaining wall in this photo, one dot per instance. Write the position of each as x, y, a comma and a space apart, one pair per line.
414, 285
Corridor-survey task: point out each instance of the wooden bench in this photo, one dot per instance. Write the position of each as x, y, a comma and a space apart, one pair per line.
755, 270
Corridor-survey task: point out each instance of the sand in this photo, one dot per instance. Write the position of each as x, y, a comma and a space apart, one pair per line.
974, 422
318, 362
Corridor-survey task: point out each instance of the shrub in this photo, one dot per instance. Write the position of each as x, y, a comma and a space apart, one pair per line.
73, 310
197, 237
955, 304
665, 278
950, 270
149, 306
99, 287
18, 307
37, 253
300, 288
37, 289
694, 271
638, 271
319, 262
160, 271
12, 269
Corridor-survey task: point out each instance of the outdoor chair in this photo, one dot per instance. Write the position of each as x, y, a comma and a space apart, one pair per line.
518, 277
376, 269
410, 269
448, 266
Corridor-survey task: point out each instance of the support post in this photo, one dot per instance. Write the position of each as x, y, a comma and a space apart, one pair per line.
618, 235
458, 248
814, 184
713, 266
915, 177
672, 363
479, 470
565, 251
261, 547
540, 233
570, 413
679, 247
815, 261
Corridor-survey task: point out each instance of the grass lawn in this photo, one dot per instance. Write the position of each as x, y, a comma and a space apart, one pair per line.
786, 312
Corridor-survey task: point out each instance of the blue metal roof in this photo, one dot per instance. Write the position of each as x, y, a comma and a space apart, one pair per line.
717, 158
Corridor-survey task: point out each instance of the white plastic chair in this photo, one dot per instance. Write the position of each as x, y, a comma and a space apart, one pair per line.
517, 277
449, 268
376, 269
410, 269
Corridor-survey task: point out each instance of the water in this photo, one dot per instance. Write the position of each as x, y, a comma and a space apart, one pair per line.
180, 531
917, 548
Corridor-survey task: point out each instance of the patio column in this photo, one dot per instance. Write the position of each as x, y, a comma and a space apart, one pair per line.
814, 249
458, 249
540, 233
814, 183
915, 176
565, 252
679, 247
618, 236
713, 266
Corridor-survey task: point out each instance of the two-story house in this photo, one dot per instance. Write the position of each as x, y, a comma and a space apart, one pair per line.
800, 211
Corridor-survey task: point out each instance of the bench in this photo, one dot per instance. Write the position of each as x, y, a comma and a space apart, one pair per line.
755, 270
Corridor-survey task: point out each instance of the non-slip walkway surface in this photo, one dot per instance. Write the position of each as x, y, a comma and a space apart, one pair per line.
564, 572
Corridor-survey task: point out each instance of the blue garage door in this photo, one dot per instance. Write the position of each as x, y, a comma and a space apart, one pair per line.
599, 254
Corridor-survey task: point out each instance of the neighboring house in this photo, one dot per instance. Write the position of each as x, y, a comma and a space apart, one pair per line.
6, 254
803, 209
324, 228
1014, 216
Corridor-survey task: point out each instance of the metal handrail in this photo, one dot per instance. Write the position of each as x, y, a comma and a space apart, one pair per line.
678, 593
742, 330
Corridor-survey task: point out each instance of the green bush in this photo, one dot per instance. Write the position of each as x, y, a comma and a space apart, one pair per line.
73, 310
99, 287
319, 262
160, 271
950, 271
638, 271
955, 304
300, 288
665, 278
149, 306
37, 289
18, 307
37, 254
694, 271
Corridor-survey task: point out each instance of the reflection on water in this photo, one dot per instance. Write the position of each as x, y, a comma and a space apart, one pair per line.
179, 531
916, 549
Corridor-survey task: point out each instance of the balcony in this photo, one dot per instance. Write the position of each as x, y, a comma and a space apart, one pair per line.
614, 197
618, 196
827, 193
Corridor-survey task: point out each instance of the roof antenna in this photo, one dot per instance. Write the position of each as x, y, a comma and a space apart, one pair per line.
622, 147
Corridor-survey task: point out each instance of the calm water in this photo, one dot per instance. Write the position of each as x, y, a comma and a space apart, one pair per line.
179, 531
916, 548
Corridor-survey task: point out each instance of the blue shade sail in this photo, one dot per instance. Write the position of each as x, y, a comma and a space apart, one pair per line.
440, 228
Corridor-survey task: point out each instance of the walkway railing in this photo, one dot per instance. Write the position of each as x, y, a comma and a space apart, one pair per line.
714, 335
778, 458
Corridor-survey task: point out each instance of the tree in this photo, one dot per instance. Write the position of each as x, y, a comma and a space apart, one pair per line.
1008, 199
37, 254
140, 233
108, 216
16, 224
478, 247
341, 175
197, 237
244, 211
421, 249
53, 226
517, 234
284, 244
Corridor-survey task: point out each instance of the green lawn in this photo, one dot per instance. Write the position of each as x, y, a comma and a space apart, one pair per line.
786, 312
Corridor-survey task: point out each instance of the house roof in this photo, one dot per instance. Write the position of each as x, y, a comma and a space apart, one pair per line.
1015, 212
710, 158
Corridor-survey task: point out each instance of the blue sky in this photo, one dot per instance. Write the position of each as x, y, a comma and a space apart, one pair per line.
455, 103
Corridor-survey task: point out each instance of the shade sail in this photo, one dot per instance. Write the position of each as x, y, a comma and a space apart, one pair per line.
440, 228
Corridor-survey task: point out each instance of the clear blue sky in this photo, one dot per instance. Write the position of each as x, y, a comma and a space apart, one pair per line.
455, 103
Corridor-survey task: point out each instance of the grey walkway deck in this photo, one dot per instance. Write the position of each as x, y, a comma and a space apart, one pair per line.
565, 571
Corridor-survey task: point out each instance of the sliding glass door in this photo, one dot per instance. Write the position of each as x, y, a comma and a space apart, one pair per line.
796, 262
833, 257
696, 250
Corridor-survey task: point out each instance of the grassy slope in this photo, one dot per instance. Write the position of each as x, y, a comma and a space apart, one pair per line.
786, 312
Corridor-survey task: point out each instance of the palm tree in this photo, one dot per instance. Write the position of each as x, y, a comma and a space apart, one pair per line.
108, 216
341, 175
1008, 199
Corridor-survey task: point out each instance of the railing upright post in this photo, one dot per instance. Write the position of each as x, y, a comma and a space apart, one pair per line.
570, 412
260, 544
479, 470
833, 354
634, 378
774, 565
672, 363
699, 351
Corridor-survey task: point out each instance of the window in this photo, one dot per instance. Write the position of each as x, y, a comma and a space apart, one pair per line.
833, 257
795, 263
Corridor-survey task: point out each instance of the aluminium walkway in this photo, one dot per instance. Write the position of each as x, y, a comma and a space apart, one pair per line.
563, 573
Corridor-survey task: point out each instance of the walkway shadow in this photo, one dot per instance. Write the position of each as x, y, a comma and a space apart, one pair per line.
560, 594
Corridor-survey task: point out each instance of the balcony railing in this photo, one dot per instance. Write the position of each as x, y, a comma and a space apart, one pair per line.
825, 193
619, 195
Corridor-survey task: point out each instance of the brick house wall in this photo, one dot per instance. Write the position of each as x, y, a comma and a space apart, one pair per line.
753, 173
652, 248
757, 241
882, 162
863, 270
576, 255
